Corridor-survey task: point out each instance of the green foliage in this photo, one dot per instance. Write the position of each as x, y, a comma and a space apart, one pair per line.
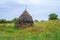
14, 20
7, 21
36, 21
47, 30
42, 20
53, 16
2, 20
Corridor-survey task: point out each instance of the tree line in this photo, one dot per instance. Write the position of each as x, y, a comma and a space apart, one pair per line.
7, 21
52, 16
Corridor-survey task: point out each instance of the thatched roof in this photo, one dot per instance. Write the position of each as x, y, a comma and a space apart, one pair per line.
24, 18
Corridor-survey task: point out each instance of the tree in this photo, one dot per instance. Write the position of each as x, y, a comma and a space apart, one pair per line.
2, 20
53, 16
9, 21
42, 20
36, 21
14, 20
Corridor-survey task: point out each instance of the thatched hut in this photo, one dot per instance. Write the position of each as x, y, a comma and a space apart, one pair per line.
24, 21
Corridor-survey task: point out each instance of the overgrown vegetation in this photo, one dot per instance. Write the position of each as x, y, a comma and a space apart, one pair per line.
44, 30
47, 30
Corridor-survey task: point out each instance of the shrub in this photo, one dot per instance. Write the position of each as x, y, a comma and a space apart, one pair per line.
53, 16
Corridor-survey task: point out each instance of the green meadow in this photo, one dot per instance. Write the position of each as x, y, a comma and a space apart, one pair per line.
45, 30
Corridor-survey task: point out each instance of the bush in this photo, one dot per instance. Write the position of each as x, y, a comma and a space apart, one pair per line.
36, 21
2, 20
53, 16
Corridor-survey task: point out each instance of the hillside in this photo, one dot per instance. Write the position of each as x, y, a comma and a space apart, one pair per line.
47, 30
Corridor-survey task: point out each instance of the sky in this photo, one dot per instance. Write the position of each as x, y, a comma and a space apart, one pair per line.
38, 9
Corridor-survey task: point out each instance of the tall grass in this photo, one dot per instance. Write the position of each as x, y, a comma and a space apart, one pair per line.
47, 30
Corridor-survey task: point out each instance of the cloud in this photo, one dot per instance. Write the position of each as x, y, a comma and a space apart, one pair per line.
35, 1
10, 9
21, 1
39, 9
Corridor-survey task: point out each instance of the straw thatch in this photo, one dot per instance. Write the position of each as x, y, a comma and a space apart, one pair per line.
24, 21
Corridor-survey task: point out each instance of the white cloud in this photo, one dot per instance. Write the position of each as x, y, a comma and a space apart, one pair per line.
36, 1
21, 1
29, 1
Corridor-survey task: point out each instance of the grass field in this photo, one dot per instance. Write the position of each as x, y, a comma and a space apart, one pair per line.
47, 30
